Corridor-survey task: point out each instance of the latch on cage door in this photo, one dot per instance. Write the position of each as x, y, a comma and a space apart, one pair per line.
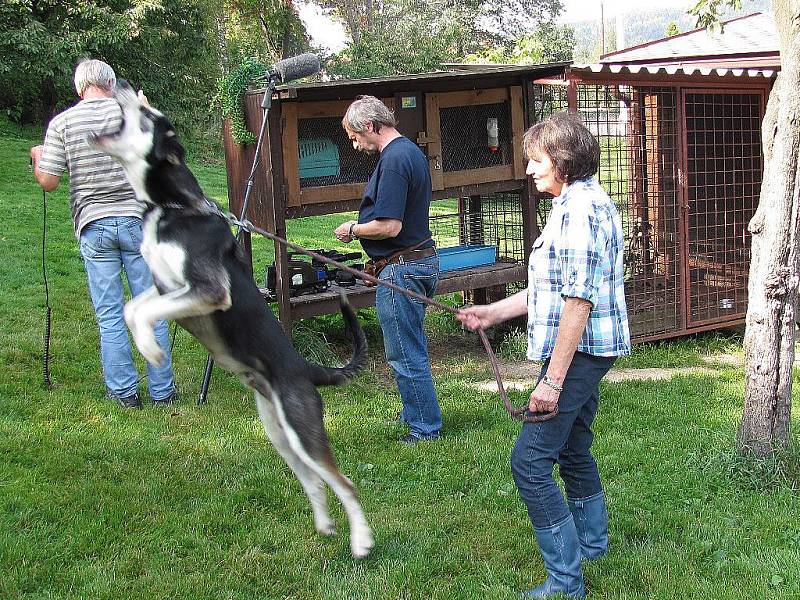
424, 140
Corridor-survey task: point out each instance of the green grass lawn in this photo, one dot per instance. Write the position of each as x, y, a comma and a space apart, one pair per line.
100, 503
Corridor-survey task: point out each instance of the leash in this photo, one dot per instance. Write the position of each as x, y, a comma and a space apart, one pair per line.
48, 383
520, 414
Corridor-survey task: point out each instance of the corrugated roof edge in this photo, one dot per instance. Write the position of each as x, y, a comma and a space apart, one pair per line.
672, 70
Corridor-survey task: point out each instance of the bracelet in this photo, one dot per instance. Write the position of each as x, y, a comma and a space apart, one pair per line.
350, 232
551, 384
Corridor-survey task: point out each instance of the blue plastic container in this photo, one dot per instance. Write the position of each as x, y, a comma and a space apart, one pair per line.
465, 257
318, 158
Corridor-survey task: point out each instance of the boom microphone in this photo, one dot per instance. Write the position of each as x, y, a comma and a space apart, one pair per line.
293, 68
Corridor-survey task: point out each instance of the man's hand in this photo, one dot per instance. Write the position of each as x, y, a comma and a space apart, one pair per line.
342, 232
36, 154
46, 180
543, 398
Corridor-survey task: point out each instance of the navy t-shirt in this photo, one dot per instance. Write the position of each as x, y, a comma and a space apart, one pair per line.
399, 188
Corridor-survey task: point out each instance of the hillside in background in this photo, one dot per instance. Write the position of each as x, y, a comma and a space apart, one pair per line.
643, 25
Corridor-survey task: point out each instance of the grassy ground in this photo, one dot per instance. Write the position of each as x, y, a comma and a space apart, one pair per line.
100, 503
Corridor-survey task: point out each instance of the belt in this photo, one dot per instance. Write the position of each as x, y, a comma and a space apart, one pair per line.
375, 266
410, 256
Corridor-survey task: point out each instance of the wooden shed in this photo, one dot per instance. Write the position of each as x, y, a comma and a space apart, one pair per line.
470, 125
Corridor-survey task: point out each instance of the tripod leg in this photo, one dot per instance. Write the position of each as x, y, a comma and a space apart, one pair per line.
201, 399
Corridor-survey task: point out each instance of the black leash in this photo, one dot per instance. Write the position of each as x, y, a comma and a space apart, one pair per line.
48, 383
519, 414
48, 316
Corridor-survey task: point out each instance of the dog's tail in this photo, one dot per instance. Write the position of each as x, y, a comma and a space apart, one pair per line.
336, 376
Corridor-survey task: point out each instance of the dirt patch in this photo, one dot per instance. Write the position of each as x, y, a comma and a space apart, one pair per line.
522, 376
724, 360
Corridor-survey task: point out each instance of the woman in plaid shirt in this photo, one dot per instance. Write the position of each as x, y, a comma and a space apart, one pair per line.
577, 325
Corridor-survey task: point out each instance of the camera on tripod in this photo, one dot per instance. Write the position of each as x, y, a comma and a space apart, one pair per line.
314, 276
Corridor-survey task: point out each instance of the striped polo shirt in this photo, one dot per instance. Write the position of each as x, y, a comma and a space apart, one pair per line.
98, 186
579, 255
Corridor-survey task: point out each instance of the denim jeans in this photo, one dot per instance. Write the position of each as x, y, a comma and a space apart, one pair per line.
565, 439
402, 322
107, 246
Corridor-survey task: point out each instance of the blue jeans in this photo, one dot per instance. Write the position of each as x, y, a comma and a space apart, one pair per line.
402, 322
565, 439
107, 246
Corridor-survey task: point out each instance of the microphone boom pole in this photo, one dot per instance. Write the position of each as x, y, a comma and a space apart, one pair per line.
282, 71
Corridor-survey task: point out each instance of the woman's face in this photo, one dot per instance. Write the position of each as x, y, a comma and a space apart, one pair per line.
544, 174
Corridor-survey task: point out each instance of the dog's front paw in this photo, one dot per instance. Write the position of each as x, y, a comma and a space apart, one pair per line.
361, 542
155, 357
151, 351
130, 311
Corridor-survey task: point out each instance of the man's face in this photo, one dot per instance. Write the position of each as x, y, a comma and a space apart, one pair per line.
366, 141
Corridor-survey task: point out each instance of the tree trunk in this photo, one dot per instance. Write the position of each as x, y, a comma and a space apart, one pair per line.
773, 286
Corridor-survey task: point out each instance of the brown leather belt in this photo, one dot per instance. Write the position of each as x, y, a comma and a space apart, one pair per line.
374, 267
410, 256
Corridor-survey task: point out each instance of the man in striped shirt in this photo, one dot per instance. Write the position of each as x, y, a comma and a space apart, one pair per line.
107, 220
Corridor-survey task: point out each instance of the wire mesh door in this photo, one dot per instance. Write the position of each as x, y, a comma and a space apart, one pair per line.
723, 181
636, 127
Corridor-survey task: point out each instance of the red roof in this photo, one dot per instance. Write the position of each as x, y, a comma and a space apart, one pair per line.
747, 42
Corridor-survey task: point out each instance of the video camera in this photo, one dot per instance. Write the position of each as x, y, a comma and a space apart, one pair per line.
314, 276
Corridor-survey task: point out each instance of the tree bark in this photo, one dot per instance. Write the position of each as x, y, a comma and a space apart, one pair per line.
773, 286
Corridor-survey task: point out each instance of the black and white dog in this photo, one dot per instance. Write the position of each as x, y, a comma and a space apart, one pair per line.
202, 282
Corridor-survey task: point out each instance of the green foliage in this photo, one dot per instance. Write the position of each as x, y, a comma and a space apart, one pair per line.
708, 12
373, 56
267, 30
672, 29
401, 39
513, 19
550, 43
163, 46
411, 36
230, 94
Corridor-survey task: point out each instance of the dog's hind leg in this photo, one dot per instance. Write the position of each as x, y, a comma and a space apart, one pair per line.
313, 449
311, 482
361, 540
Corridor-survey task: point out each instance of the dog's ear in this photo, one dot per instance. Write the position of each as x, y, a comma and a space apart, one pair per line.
166, 146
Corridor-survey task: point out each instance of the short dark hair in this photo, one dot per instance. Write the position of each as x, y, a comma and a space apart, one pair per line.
573, 149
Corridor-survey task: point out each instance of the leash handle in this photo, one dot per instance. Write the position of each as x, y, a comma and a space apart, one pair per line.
519, 414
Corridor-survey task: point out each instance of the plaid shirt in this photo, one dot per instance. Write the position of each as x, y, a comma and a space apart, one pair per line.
579, 255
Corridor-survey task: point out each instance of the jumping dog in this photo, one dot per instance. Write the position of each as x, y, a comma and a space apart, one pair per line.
203, 282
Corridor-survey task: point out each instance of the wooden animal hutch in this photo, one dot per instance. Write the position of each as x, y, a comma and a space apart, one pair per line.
680, 155
470, 124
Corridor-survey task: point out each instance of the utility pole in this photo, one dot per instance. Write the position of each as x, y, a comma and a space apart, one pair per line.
602, 30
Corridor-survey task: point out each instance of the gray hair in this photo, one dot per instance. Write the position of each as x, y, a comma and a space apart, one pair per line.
94, 72
368, 109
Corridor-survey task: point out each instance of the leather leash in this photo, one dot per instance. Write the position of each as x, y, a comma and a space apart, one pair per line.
520, 414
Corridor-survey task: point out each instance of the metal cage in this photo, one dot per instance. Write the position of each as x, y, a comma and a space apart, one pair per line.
683, 165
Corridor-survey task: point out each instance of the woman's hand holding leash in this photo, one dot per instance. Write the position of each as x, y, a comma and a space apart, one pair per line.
479, 316
544, 398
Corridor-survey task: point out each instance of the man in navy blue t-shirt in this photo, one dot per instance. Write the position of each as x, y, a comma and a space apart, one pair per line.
393, 224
